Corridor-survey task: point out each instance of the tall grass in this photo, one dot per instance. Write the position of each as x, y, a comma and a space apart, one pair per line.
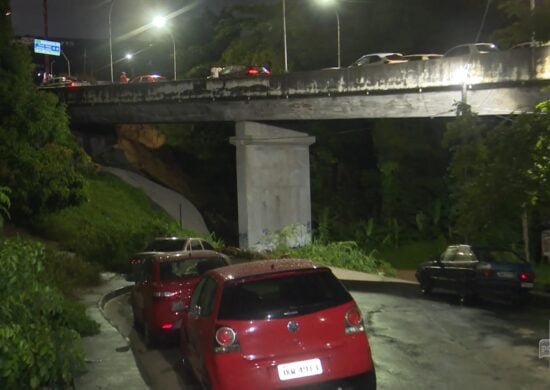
343, 254
409, 256
116, 221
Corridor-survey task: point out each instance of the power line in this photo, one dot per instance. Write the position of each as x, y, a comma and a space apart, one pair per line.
483, 21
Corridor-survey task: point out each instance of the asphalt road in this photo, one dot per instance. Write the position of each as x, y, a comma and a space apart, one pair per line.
417, 342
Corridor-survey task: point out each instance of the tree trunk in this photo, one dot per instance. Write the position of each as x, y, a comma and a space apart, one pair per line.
525, 227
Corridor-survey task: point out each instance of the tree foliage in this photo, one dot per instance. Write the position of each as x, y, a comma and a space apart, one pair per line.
498, 170
39, 160
523, 24
39, 339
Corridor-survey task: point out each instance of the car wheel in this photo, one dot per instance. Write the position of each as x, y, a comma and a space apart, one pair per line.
426, 288
138, 325
467, 298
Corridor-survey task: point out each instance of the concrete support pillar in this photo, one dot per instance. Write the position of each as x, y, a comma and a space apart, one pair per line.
273, 186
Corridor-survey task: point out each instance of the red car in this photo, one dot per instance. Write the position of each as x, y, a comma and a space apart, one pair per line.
275, 324
163, 285
148, 78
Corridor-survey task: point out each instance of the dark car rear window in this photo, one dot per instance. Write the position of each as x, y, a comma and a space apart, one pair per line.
189, 267
498, 256
166, 245
282, 296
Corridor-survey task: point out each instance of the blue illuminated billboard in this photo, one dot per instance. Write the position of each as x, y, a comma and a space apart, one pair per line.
42, 46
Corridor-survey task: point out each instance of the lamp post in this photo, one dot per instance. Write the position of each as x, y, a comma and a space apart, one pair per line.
111, 40
160, 21
68, 63
334, 2
284, 35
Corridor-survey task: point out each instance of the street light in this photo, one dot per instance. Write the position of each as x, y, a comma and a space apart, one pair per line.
111, 41
284, 35
160, 21
68, 63
334, 3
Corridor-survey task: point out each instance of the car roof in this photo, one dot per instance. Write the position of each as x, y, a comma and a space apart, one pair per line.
176, 238
381, 54
472, 45
177, 256
423, 55
263, 267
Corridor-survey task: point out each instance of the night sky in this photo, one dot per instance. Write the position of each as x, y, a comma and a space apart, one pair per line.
89, 18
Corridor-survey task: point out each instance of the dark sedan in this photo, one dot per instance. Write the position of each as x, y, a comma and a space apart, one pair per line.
473, 271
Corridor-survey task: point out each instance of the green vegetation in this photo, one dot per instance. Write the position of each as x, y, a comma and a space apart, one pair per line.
343, 254
409, 256
117, 221
542, 281
39, 328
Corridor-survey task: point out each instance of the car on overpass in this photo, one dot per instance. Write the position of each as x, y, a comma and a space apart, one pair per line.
379, 58
270, 324
230, 71
471, 49
422, 57
148, 78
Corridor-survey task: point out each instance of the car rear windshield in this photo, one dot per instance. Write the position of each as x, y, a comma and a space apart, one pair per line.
497, 256
166, 245
186, 268
282, 296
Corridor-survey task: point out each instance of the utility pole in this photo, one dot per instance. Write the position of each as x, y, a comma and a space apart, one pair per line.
532, 9
46, 57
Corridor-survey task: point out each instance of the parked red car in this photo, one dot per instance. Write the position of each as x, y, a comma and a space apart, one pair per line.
275, 324
163, 285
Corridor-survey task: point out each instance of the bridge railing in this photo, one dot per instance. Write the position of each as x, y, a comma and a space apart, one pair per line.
506, 67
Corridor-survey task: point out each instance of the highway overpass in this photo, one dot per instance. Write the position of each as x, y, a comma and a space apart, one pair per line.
493, 84
272, 162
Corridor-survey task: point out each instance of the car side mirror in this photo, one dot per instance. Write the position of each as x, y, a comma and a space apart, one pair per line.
436, 259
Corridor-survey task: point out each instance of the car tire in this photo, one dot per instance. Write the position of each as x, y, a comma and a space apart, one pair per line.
426, 288
138, 325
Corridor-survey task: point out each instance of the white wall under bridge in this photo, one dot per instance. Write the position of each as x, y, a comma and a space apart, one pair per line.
496, 84
273, 186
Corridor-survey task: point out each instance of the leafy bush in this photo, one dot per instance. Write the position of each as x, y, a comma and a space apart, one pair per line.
39, 159
409, 256
345, 254
117, 221
39, 329
68, 272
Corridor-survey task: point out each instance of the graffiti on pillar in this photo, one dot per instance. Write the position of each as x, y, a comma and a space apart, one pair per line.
290, 236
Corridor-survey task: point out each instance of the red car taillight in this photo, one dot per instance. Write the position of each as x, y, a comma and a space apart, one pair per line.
487, 273
354, 321
226, 340
526, 276
252, 71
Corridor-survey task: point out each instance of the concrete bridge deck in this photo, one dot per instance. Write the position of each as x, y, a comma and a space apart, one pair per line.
493, 84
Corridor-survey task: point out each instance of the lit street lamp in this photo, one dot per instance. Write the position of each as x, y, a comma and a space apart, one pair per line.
160, 22
334, 2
